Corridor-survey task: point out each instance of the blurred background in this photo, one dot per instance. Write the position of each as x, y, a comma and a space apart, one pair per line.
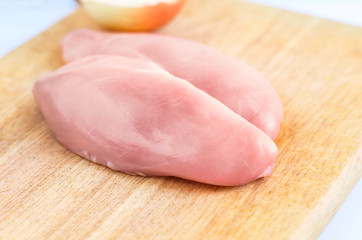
21, 20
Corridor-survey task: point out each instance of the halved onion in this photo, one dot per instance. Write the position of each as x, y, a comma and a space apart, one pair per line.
132, 15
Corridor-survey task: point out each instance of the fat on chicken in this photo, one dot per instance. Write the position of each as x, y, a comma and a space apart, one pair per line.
131, 115
234, 83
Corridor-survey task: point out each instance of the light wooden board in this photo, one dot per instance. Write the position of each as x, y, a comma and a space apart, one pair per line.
315, 65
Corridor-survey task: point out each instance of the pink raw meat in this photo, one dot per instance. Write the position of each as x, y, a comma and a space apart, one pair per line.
131, 115
234, 83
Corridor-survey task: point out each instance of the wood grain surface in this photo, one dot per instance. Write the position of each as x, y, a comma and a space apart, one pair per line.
315, 66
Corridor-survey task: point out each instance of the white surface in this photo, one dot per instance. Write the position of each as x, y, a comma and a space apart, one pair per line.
128, 3
347, 223
348, 11
20, 20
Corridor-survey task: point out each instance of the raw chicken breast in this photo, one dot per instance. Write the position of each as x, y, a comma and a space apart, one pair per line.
131, 115
236, 84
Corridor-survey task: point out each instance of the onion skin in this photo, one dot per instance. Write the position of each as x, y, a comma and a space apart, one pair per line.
135, 19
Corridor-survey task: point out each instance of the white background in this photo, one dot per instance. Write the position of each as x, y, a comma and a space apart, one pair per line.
20, 20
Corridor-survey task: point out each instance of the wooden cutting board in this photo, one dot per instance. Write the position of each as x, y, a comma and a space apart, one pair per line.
315, 65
